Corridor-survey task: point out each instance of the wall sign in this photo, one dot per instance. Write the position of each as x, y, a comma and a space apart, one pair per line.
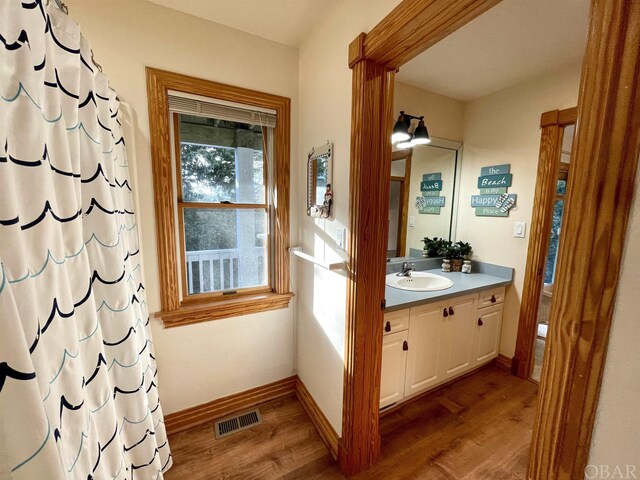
493, 183
430, 202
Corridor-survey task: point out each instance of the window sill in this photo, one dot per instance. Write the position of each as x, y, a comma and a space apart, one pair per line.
188, 314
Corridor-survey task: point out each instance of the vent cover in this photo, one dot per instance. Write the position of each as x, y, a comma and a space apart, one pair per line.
229, 426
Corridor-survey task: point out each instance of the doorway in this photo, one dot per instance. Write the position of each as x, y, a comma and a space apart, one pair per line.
597, 217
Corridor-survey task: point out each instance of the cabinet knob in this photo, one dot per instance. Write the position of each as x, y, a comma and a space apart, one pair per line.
493, 299
451, 312
445, 313
405, 346
387, 327
480, 323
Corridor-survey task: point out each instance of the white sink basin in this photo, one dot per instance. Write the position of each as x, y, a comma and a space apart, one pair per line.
419, 282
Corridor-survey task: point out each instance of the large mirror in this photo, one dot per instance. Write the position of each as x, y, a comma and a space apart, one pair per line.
422, 196
319, 193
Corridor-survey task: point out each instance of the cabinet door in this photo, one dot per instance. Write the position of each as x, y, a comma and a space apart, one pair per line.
458, 342
393, 368
425, 338
488, 326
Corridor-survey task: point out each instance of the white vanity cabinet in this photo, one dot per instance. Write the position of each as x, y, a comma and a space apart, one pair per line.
427, 345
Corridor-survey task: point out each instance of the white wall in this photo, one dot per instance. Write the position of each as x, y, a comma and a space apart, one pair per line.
206, 361
616, 435
500, 128
325, 114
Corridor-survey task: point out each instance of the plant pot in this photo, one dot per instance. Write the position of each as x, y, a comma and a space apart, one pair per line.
456, 265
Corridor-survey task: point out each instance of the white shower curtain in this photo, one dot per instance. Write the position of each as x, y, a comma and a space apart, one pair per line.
78, 378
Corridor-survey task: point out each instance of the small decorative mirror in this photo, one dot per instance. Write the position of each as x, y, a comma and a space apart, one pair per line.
319, 194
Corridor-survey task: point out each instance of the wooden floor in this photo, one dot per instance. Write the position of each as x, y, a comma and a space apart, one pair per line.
477, 428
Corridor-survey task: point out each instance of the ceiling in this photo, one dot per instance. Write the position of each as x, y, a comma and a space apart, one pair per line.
512, 42
283, 21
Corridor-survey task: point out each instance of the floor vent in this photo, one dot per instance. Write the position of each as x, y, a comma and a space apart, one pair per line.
229, 426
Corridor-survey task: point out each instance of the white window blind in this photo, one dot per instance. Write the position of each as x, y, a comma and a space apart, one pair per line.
227, 111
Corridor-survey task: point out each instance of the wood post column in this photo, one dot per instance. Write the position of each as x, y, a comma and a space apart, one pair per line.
600, 194
370, 174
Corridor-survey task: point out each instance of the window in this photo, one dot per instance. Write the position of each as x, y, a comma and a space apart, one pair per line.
223, 206
221, 179
556, 225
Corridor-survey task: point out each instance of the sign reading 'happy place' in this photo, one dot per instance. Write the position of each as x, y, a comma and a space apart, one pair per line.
494, 201
430, 202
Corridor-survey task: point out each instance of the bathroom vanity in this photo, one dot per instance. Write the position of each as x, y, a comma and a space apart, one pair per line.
430, 338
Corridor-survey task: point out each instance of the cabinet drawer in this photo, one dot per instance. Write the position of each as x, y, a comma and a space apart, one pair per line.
395, 321
491, 297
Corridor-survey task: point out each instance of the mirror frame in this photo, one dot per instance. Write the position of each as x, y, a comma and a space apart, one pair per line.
323, 210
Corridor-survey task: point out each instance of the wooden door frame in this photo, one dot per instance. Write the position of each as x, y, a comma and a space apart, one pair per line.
595, 227
552, 124
403, 211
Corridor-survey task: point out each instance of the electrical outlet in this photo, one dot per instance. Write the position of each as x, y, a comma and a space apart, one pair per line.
341, 238
412, 221
520, 229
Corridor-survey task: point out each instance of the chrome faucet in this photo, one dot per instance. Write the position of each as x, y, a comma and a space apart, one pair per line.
407, 268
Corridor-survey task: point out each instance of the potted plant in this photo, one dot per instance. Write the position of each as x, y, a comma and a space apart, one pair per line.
456, 253
465, 250
432, 246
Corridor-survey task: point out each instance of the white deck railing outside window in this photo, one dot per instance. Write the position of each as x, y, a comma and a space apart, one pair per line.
212, 270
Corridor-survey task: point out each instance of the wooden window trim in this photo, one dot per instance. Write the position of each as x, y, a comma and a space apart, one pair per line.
174, 310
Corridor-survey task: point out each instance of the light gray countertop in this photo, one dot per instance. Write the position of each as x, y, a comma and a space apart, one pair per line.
463, 283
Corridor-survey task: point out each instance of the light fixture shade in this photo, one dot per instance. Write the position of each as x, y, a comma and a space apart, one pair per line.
400, 130
421, 134
406, 144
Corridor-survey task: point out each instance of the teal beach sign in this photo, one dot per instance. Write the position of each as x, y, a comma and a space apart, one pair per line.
430, 202
494, 182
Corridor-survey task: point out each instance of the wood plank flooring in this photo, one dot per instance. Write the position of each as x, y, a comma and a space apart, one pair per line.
477, 428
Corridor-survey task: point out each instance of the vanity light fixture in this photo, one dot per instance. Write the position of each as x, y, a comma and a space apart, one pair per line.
401, 129
403, 138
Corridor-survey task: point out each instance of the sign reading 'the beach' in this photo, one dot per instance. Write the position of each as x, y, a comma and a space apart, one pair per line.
430, 202
494, 201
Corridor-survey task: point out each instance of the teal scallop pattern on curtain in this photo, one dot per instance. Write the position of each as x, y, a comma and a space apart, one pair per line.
78, 377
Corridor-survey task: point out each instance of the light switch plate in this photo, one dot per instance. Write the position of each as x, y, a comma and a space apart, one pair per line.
412, 221
341, 238
520, 229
